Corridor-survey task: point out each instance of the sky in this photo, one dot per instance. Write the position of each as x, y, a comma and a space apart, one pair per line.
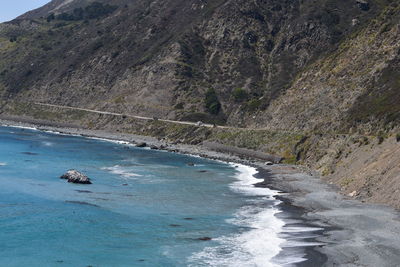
10, 9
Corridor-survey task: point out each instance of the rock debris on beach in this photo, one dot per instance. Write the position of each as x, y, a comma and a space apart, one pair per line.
141, 145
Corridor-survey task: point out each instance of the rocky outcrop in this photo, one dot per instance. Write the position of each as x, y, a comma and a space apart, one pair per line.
76, 177
141, 145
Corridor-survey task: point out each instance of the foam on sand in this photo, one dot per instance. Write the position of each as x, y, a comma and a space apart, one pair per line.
265, 236
254, 247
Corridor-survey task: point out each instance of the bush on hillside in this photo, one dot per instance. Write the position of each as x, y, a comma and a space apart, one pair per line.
239, 94
212, 104
92, 11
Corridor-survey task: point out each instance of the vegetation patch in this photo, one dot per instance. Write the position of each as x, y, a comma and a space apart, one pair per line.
253, 104
239, 94
211, 102
93, 11
179, 106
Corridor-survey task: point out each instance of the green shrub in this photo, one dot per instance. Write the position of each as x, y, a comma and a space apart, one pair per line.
92, 11
398, 137
212, 104
179, 106
239, 94
380, 139
50, 17
97, 9
253, 104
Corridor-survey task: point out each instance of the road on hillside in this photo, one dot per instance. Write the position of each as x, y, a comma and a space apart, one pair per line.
130, 116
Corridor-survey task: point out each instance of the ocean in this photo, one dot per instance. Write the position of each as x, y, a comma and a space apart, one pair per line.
144, 208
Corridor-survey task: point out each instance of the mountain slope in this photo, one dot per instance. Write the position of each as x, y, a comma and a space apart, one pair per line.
149, 56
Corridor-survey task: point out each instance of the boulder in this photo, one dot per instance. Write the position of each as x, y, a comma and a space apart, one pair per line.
363, 5
269, 163
141, 145
352, 194
73, 176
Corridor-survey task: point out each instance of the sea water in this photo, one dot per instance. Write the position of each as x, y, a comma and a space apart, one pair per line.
144, 208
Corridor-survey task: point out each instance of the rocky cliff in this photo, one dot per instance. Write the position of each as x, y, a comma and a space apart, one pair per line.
314, 81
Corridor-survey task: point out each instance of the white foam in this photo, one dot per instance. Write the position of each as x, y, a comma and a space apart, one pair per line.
3, 164
117, 169
259, 245
60, 133
47, 143
246, 181
20, 127
120, 142
268, 234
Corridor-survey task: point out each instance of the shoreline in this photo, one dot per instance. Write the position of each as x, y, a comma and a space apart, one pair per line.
355, 233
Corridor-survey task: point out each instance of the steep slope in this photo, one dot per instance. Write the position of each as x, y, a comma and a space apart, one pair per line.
148, 57
356, 88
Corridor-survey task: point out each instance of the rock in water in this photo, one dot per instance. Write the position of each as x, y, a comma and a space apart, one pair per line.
73, 176
206, 238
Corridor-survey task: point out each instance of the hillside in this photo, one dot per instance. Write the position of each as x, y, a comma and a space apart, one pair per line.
314, 81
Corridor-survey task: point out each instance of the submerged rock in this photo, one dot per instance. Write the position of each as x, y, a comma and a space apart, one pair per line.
81, 203
206, 238
84, 191
73, 176
30, 153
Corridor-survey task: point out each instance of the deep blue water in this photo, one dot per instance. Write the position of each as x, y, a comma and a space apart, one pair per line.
144, 208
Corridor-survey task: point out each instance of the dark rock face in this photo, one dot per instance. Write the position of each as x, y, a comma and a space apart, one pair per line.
74, 176
363, 5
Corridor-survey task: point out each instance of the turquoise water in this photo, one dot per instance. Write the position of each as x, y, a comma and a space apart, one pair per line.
145, 208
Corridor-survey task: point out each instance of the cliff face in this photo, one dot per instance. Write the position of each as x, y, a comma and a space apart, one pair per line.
324, 72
